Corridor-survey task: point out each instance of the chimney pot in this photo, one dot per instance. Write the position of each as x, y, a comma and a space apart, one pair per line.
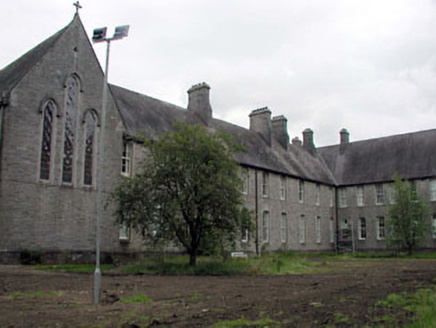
344, 136
296, 142
199, 101
260, 121
280, 130
308, 140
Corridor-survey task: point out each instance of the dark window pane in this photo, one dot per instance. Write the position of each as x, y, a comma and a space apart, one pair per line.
47, 132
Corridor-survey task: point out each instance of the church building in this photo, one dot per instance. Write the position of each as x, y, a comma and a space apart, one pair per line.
305, 198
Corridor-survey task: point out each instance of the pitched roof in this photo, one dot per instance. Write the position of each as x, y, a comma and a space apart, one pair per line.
12, 74
411, 155
150, 117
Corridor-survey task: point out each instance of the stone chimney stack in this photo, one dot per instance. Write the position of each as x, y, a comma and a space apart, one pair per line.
308, 140
280, 130
199, 102
345, 136
296, 142
260, 121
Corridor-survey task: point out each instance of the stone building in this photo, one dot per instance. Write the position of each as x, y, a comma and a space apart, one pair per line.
305, 198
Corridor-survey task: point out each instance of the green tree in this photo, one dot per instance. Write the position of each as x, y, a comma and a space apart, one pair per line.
187, 191
407, 224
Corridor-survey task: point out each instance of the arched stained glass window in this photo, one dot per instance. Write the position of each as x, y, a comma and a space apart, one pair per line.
90, 127
71, 104
46, 143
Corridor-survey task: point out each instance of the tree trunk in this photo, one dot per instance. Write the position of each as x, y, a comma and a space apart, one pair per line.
192, 259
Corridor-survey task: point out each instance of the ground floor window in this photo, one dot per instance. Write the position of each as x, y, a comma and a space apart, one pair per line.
124, 233
284, 228
332, 230
302, 229
361, 229
318, 229
381, 228
265, 227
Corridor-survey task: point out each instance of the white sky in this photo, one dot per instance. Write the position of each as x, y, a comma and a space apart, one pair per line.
368, 66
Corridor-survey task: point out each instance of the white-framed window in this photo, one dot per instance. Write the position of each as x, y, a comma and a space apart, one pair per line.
433, 190
318, 229
126, 159
244, 177
244, 235
301, 191
342, 197
379, 195
434, 225
332, 197
282, 187
332, 230
284, 228
361, 229
124, 233
381, 228
317, 194
264, 184
391, 193
265, 227
302, 229
359, 196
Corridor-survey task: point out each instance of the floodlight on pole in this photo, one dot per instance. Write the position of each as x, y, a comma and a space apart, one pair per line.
99, 35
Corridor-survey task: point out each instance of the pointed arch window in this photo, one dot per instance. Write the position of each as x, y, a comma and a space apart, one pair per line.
71, 105
90, 146
49, 110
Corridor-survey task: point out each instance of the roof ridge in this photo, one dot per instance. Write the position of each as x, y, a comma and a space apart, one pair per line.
13, 73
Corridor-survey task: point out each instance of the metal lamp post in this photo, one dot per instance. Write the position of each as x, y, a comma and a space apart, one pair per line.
100, 36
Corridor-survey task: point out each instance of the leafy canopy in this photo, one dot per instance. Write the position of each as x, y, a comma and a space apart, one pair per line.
187, 190
407, 225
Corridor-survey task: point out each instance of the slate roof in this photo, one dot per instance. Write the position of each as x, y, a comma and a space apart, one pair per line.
411, 155
12, 74
149, 117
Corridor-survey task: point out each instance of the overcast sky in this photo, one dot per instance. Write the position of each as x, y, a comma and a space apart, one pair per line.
368, 66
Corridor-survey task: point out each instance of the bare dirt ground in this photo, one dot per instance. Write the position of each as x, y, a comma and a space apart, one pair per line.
30, 298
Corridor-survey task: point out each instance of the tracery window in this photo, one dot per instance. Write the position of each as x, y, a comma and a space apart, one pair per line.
47, 142
71, 105
90, 141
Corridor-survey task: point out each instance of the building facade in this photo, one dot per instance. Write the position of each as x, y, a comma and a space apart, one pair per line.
304, 198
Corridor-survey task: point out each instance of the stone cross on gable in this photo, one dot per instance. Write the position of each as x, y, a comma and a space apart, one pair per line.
78, 6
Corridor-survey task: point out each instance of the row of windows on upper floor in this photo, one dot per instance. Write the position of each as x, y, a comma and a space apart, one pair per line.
265, 188
50, 113
284, 231
383, 194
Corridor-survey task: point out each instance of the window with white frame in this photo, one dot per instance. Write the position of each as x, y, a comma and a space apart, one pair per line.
284, 228
391, 193
317, 194
381, 228
332, 230
265, 227
302, 229
332, 196
126, 159
359, 196
379, 195
301, 191
318, 229
282, 187
433, 190
244, 234
361, 229
434, 225
264, 184
342, 197
124, 233
244, 177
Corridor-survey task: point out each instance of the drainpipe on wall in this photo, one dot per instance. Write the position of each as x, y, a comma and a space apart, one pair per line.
337, 221
4, 101
256, 194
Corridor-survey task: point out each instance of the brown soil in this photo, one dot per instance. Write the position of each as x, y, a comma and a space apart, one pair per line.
30, 298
